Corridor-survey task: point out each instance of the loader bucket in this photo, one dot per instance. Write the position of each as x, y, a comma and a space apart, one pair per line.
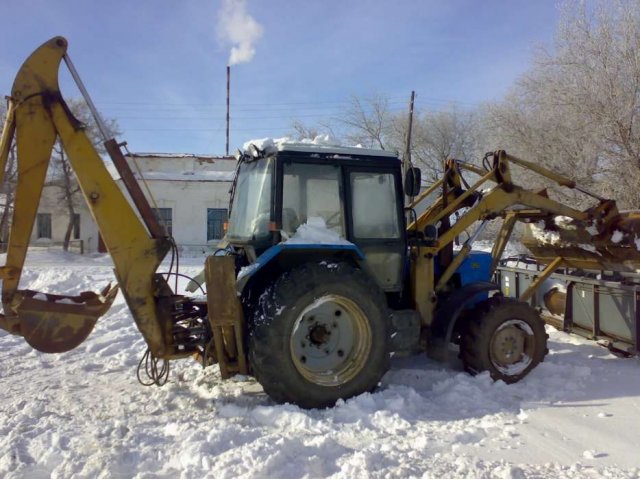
59, 323
614, 246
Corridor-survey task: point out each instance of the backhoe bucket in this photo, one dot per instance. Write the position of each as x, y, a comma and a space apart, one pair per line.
59, 323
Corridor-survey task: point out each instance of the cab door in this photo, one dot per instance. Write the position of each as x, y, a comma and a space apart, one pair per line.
376, 222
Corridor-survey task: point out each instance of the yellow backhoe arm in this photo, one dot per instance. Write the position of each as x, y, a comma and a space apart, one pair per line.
38, 115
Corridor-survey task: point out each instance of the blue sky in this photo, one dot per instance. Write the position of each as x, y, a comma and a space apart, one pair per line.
158, 66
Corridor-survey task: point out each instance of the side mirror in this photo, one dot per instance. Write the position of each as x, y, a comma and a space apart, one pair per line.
412, 182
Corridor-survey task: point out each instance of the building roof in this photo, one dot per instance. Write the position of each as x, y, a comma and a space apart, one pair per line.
180, 155
199, 176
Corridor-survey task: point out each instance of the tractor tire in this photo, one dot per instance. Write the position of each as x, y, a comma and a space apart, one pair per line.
320, 333
505, 337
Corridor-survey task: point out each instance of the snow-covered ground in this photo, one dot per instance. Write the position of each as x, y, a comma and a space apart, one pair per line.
83, 414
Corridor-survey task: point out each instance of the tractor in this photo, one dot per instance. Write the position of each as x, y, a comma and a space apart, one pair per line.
334, 258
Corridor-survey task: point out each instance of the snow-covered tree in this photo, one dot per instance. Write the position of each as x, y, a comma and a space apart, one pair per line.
577, 108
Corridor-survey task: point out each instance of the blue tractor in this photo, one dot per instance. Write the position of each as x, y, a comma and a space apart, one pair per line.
333, 275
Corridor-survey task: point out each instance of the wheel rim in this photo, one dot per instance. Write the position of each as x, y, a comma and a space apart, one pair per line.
512, 347
330, 341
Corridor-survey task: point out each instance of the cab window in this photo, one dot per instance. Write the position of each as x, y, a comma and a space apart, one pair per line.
311, 190
375, 213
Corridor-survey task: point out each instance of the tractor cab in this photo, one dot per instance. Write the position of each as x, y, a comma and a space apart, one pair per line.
307, 196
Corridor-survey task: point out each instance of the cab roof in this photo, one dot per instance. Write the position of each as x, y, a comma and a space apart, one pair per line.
285, 147
334, 149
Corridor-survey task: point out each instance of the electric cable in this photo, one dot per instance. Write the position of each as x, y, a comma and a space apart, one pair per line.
157, 376
198, 284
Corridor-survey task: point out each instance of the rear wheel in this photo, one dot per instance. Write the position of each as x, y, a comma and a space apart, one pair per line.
320, 333
505, 337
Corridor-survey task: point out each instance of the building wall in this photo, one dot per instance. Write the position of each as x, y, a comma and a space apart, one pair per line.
52, 201
187, 184
189, 201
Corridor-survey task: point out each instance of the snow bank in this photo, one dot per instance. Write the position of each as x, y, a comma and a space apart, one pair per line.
83, 414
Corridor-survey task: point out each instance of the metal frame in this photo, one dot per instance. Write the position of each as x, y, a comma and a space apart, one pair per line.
507, 200
602, 315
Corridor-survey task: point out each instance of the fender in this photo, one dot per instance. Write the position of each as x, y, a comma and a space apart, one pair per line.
447, 314
277, 251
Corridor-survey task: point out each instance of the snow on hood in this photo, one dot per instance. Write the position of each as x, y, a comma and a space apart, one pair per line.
315, 232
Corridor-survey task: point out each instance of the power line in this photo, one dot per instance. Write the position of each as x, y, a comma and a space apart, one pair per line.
309, 105
206, 108
291, 117
251, 117
220, 128
266, 104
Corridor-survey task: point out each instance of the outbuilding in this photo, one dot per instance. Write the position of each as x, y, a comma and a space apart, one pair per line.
190, 194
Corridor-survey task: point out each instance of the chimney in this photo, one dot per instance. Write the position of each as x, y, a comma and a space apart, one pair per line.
226, 150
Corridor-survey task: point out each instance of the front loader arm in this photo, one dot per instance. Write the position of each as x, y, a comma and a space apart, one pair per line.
513, 203
39, 115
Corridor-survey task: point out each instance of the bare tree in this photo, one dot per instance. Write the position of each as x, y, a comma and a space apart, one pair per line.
441, 135
7, 188
369, 122
65, 180
437, 135
302, 131
61, 174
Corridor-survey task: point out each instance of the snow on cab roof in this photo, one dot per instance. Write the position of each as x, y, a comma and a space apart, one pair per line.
321, 145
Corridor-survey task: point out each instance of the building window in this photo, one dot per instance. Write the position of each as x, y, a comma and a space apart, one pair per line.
44, 225
76, 226
164, 215
216, 218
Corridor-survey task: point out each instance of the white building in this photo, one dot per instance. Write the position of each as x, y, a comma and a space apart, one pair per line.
191, 193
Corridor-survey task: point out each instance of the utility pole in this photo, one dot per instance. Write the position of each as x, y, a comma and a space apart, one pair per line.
407, 153
226, 148
406, 161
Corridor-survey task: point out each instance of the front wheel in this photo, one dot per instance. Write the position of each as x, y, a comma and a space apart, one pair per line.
320, 333
505, 337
